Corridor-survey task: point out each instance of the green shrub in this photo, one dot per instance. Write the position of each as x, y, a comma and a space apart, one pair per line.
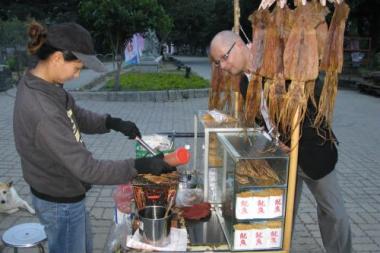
138, 81
11, 62
377, 60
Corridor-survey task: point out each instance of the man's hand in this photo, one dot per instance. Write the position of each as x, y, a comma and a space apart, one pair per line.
128, 128
154, 165
284, 148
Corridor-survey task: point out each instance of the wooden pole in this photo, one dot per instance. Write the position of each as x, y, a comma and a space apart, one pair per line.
293, 164
236, 29
236, 17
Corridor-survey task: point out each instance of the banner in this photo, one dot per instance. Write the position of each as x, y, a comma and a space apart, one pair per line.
133, 49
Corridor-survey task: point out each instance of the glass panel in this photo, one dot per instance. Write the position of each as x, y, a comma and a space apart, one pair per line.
254, 201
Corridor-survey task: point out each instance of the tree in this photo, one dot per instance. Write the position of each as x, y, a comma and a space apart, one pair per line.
192, 20
365, 21
13, 35
49, 11
118, 20
197, 21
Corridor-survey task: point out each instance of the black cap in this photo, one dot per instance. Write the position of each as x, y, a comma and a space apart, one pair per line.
77, 40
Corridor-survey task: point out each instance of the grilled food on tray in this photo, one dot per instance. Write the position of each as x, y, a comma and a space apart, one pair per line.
167, 178
150, 189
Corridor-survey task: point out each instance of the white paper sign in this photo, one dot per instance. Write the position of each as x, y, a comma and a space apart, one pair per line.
243, 240
274, 237
275, 206
244, 208
260, 209
259, 238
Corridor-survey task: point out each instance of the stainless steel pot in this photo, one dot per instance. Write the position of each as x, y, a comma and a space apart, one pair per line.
154, 227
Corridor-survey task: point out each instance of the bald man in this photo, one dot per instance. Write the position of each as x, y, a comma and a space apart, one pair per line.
317, 155
230, 53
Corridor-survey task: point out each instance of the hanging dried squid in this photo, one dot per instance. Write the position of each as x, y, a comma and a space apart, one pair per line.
217, 85
252, 100
322, 32
265, 4
275, 90
332, 64
259, 21
272, 59
231, 85
222, 86
320, 13
278, 26
300, 63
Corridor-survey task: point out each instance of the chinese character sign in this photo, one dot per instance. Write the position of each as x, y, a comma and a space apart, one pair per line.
275, 206
243, 239
244, 208
274, 238
261, 209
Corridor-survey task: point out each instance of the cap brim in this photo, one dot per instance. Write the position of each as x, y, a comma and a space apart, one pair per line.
91, 62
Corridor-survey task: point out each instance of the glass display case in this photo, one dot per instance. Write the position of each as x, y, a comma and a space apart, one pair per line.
208, 154
254, 189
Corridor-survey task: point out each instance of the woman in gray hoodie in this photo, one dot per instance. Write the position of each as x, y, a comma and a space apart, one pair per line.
47, 129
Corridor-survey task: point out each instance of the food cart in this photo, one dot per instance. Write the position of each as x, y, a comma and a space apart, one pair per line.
246, 177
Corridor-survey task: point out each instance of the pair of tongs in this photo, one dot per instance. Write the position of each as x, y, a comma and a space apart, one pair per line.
146, 146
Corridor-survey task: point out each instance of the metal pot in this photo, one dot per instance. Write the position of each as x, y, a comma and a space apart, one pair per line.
154, 227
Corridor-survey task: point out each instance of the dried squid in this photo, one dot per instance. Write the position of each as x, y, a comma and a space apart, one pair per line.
259, 21
272, 58
252, 100
300, 63
274, 89
332, 64
217, 84
272, 51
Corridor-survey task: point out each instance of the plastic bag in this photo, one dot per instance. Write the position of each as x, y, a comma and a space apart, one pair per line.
218, 116
189, 197
117, 238
123, 197
119, 235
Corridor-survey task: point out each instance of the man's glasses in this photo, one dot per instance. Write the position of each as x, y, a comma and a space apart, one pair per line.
225, 56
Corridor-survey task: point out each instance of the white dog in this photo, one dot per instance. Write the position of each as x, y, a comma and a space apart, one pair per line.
10, 201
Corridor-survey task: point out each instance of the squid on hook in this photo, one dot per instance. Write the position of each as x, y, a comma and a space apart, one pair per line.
268, 3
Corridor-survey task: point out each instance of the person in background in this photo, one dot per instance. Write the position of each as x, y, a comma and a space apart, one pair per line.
47, 129
317, 153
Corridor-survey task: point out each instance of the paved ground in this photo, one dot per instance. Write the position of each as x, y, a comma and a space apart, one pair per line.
356, 123
200, 65
87, 76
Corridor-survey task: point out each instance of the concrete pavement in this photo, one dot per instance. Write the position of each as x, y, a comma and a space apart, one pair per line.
87, 76
356, 124
200, 65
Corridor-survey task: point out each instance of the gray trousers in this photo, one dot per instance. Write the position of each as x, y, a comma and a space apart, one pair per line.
333, 220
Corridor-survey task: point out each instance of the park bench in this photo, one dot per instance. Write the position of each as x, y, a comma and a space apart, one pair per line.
180, 65
370, 83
